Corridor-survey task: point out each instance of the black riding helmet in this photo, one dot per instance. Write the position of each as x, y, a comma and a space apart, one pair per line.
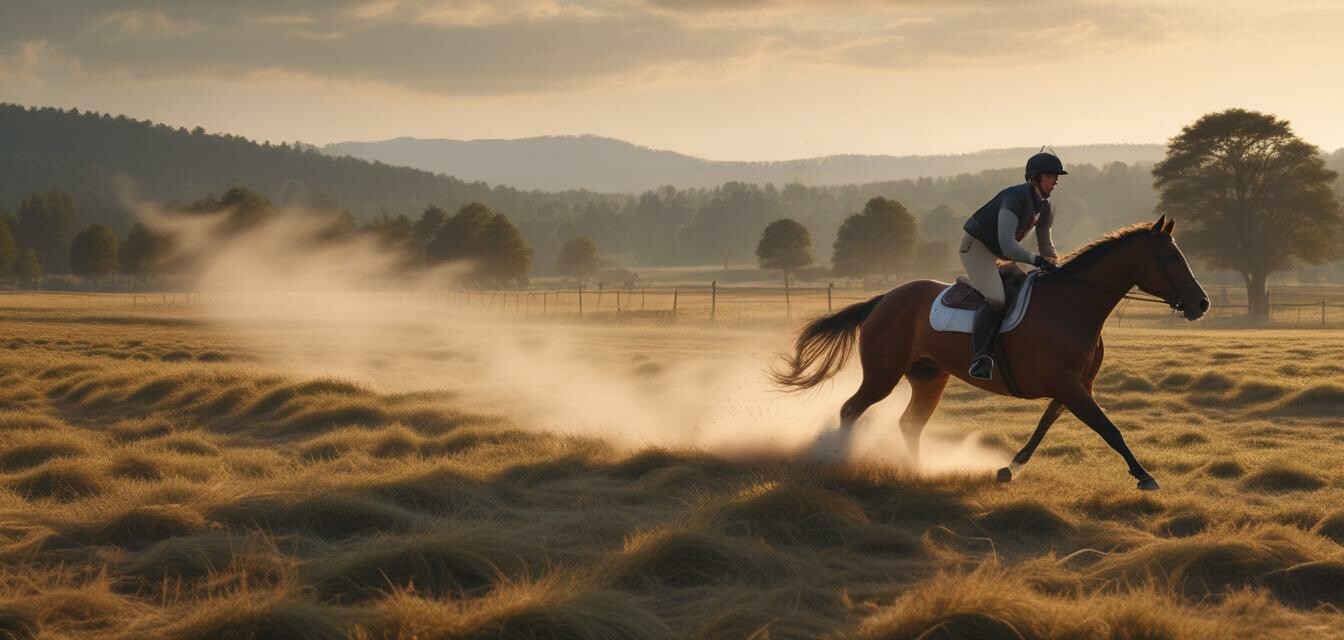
1045, 162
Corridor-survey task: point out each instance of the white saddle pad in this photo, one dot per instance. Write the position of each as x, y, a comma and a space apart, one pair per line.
945, 318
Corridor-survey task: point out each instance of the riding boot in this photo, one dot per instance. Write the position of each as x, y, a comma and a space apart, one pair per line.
983, 330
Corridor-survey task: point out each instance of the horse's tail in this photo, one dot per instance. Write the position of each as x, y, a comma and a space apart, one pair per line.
825, 342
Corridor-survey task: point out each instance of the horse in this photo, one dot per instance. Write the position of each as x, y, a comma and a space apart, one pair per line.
1055, 352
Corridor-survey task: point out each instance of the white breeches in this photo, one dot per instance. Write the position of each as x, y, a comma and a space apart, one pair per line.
983, 269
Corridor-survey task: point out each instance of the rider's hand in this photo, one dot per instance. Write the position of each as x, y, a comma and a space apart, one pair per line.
1045, 264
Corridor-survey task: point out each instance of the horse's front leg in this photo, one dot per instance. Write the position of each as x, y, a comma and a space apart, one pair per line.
1080, 401
1020, 460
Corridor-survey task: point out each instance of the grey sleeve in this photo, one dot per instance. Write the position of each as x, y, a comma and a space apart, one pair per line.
1044, 243
1012, 249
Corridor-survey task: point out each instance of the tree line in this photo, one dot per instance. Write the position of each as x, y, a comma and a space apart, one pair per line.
1254, 199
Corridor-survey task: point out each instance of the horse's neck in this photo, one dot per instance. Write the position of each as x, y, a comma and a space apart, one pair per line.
1108, 279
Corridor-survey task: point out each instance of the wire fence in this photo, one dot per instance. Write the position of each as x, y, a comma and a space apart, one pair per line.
712, 303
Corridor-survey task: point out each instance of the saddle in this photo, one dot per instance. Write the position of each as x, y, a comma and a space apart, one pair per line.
964, 296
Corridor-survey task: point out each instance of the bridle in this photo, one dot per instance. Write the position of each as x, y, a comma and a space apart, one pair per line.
1176, 303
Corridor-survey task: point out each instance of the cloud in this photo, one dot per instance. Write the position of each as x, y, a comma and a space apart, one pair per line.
473, 47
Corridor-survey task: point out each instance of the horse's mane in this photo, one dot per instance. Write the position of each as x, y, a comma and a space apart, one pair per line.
1090, 252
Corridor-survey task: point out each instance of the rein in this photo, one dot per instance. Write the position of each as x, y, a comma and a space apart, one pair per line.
1126, 295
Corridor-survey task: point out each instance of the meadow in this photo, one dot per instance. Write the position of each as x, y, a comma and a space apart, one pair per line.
171, 471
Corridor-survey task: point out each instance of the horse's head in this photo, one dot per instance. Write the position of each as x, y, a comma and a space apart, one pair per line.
1168, 275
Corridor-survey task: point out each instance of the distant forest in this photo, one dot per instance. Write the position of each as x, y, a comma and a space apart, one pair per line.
102, 160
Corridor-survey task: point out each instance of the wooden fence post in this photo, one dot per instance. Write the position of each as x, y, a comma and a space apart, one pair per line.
829, 286
713, 300
641, 298
580, 303
675, 290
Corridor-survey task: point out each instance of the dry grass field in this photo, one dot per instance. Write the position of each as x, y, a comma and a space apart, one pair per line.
175, 473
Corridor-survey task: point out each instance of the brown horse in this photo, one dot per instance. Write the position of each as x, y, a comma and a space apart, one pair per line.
1054, 353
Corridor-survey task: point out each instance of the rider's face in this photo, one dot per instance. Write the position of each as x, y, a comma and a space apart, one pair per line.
1047, 183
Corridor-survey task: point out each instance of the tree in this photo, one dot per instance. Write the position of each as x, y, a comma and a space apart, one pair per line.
941, 223
243, 210
46, 224
504, 255
785, 246
144, 254
424, 229
93, 253
1252, 197
877, 241
8, 250
28, 267
477, 234
931, 257
577, 258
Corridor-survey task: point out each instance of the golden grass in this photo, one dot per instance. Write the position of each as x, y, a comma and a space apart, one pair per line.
157, 480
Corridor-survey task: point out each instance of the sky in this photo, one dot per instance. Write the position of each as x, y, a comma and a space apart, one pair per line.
725, 80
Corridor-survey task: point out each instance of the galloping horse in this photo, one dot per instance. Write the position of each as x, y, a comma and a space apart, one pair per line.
1054, 353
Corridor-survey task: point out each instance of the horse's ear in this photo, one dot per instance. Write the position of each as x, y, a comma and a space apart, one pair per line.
1171, 225
1162, 221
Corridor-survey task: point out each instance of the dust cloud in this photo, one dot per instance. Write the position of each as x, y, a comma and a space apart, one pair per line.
352, 310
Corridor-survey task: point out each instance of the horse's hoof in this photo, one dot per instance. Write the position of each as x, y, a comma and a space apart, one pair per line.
1148, 484
1005, 475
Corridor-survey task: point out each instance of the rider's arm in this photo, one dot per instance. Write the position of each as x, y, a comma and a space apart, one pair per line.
1008, 243
1044, 243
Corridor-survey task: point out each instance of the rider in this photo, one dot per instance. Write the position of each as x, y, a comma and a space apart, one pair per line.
995, 232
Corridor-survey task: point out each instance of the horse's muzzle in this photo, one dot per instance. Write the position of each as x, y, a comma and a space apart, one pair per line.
1192, 312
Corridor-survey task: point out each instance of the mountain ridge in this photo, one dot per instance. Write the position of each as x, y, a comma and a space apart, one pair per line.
607, 164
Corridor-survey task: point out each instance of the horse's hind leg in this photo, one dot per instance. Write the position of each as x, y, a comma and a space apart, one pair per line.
872, 391
926, 390
1020, 460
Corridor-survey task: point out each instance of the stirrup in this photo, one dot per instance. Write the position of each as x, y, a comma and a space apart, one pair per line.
985, 372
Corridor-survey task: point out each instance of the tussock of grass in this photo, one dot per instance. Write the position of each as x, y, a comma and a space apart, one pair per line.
262, 615
1308, 584
438, 491
1224, 469
189, 443
654, 459
1278, 477
334, 414
62, 480
463, 562
330, 515
679, 558
141, 428
17, 625
191, 558
552, 610
29, 421
1210, 564
1183, 525
1189, 438
157, 390
396, 442
144, 525
791, 514
1255, 392
225, 401
1026, 518
1212, 382
41, 448
1124, 506
1332, 527
1319, 400
80, 611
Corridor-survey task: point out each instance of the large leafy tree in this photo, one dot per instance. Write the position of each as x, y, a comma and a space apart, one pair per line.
577, 258
878, 241
1252, 196
785, 246
93, 253
488, 239
145, 253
